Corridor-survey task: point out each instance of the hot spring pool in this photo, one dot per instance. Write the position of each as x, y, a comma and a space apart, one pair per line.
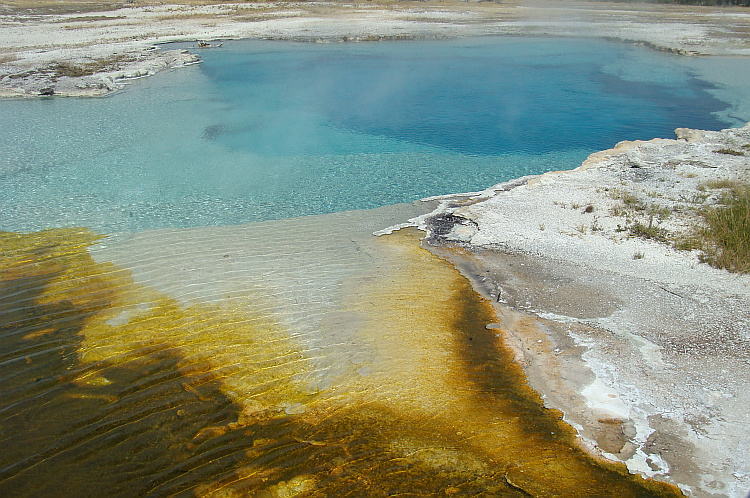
267, 130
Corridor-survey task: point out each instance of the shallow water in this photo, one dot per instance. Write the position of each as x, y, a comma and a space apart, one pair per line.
269, 130
299, 356
374, 376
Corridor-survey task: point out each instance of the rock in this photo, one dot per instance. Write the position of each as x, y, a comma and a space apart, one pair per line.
689, 135
48, 91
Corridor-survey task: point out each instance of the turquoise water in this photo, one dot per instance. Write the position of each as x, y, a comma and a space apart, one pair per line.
267, 130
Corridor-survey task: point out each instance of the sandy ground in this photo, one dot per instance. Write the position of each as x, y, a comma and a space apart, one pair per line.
643, 348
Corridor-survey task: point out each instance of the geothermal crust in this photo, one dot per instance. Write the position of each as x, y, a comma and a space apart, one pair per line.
644, 348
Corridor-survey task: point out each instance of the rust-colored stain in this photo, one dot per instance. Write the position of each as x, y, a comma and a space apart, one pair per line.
109, 388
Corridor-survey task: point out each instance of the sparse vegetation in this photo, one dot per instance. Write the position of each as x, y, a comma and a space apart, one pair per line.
660, 212
718, 3
725, 239
89, 18
57, 7
641, 219
695, 198
75, 70
731, 152
688, 243
627, 198
718, 184
88, 68
638, 255
649, 231
22, 75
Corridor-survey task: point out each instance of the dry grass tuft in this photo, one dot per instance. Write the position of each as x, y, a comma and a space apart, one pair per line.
726, 236
4, 59
719, 184
74, 70
731, 152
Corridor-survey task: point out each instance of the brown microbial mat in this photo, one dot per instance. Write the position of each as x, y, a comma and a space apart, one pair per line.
383, 381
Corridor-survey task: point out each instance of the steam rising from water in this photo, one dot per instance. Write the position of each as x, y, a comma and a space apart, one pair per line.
270, 130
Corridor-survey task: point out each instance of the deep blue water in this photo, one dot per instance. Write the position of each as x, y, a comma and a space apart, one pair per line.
265, 130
